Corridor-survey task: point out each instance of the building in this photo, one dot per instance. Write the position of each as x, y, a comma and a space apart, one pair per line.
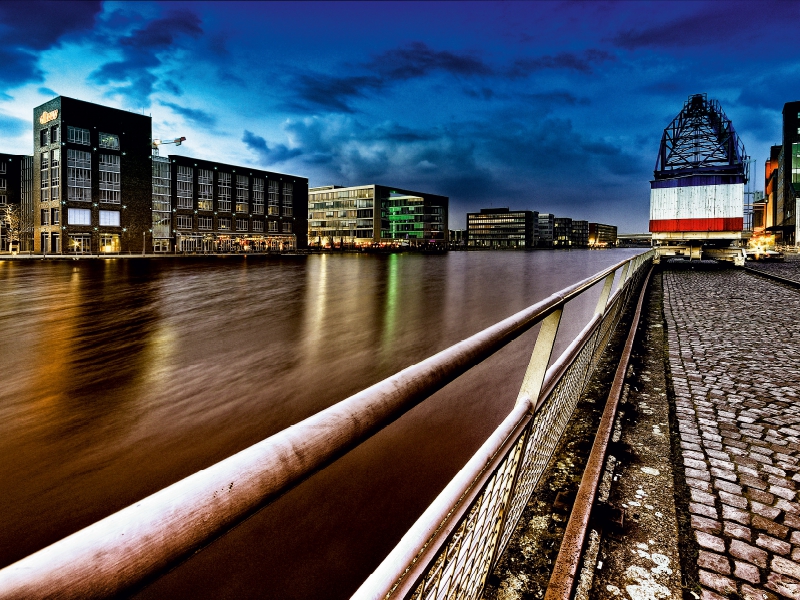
375, 215
15, 194
216, 207
784, 178
580, 234
103, 203
457, 238
562, 232
602, 236
502, 228
546, 225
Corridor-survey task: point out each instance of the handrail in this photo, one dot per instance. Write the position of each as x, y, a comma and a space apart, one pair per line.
137, 543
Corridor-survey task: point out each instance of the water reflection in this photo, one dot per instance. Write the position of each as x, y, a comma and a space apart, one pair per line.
121, 377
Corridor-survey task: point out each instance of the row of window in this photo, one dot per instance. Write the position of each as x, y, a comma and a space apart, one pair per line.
83, 216
224, 224
77, 135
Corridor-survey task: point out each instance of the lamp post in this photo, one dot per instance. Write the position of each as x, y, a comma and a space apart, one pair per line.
144, 233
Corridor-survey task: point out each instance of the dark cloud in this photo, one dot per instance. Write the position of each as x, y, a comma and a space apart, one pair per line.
12, 126
277, 154
28, 28
418, 59
583, 63
713, 23
142, 52
194, 115
332, 92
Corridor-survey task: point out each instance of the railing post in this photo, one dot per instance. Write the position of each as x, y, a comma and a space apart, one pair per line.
603, 301
542, 351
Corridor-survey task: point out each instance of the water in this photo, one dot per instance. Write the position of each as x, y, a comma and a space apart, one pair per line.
122, 377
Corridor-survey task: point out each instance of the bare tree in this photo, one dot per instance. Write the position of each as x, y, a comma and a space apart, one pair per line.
11, 220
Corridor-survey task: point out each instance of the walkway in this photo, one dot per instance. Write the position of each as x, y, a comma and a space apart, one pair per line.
734, 356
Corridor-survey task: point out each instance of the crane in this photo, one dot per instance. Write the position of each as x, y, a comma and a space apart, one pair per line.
156, 143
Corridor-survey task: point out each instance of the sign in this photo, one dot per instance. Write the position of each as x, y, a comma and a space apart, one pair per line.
48, 116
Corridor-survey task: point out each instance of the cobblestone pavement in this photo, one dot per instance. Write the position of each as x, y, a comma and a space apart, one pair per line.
790, 269
735, 364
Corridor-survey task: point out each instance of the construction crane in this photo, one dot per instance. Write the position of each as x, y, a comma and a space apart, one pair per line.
156, 143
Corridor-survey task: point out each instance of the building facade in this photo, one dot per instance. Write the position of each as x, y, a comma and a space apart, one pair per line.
502, 228
91, 178
562, 232
580, 234
216, 207
546, 227
602, 236
15, 196
375, 215
787, 202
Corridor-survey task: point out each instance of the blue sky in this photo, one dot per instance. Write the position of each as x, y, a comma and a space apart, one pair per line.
550, 106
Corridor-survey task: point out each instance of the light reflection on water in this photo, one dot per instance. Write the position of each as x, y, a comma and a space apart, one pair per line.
121, 377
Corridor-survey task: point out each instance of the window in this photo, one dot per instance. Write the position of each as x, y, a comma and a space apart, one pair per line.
223, 224
273, 226
162, 208
287, 199
79, 216
224, 193
2, 168
2, 184
242, 193
205, 198
273, 198
109, 242
109, 218
45, 177
79, 175
54, 214
287, 211
258, 225
45, 216
287, 228
241, 225
55, 171
258, 197
54, 135
78, 136
44, 137
108, 140
184, 221
204, 223
185, 175
109, 179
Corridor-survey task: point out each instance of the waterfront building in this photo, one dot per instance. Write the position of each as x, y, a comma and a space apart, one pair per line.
579, 238
375, 215
602, 236
562, 232
16, 181
546, 225
457, 238
91, 178
786, 183
502, 228
217, 207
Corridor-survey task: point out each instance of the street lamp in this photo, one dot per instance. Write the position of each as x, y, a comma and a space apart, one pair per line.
144, 233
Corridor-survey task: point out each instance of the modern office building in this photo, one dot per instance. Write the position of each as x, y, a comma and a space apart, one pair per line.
374, 215
502, 228
546, 225
562, 232
216, 207
457, 238
580, 234
786, 182
602, 236
91, 178
16, 181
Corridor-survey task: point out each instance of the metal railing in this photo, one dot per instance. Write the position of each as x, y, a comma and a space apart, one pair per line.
453, 547
450, 549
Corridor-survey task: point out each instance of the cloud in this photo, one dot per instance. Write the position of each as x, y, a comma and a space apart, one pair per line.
568, 61
418, 59
28, 28
142, 50
13, 127
277, 154
194, 115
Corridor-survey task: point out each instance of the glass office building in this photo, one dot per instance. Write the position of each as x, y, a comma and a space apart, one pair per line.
502, 228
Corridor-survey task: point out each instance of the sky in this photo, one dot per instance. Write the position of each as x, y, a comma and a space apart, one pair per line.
550, 106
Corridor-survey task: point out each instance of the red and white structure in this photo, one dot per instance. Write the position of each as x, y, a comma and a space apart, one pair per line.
697, 194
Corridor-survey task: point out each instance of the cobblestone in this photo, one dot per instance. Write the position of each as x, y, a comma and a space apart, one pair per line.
739, 427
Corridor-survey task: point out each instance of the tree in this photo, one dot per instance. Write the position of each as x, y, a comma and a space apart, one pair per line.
11, 220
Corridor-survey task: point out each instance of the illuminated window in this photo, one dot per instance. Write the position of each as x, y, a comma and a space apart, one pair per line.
205, 198
45, 218
204, 223
108, 140
241, 225
287, 228
161, 205
258, 197
258, 225
79, 216
109, 178
55, 171
224, 224
287, 199
77, 135
109, 218
273, 199
273, 226
224, 193
45, 177
184, 221
185, 187
79, 175
242, 193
